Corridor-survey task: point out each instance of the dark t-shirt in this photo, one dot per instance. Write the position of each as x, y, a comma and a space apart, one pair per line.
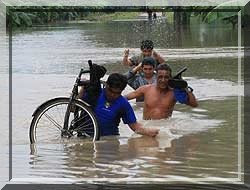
109, 114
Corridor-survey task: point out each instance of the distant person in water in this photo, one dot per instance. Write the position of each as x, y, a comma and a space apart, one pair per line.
154, 16
147, 47
111, 107
147, 75
159, 98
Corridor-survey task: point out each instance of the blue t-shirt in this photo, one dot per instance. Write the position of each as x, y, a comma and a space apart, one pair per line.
109, 114
181, 95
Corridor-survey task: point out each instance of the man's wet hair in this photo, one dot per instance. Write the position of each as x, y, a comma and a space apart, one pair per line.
164, 66
147, 44
117, 80
149, 61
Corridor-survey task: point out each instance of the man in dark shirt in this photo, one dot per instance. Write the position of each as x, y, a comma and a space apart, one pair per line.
142, 74
111, 106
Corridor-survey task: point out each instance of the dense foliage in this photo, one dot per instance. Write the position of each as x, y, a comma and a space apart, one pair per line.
28, 16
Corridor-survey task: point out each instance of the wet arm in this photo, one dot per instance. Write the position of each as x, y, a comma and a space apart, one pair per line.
137, 68
139, 129
137, 93
191, 99
126, 60
131, 74
158, 58
132, 77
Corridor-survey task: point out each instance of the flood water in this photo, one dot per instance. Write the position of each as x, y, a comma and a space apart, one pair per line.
196, 144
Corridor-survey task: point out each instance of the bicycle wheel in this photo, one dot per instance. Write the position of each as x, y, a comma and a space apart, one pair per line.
48, 120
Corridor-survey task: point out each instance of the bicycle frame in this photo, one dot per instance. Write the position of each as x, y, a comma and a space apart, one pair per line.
73, 96
78, 119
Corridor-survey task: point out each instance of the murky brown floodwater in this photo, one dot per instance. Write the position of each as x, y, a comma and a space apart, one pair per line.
198, 144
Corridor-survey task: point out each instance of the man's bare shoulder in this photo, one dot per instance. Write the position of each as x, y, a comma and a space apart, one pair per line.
146, 87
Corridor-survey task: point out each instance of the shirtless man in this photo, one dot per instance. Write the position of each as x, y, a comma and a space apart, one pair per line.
159, 98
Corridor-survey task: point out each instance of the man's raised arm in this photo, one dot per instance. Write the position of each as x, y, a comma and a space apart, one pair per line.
126, 60
191, 99
158, 57
137, 93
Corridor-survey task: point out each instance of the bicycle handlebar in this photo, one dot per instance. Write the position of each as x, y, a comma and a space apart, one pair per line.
87, 71
90, 63
178, 75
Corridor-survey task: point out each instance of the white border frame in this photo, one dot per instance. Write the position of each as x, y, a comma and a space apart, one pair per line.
4, 50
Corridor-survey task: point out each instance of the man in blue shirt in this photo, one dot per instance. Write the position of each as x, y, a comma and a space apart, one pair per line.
111, 106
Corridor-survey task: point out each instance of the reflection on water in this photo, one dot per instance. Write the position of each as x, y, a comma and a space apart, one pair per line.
196, 143
185, 147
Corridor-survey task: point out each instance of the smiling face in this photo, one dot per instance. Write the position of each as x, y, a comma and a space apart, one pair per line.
163, 77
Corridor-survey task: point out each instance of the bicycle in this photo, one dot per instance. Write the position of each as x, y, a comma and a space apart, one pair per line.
62, 117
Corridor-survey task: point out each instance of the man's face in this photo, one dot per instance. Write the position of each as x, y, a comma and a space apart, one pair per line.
112, 93
148, 71
162, 78
147, 52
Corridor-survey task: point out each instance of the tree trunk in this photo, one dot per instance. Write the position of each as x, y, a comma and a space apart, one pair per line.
177, 27
184, 18
177, 18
